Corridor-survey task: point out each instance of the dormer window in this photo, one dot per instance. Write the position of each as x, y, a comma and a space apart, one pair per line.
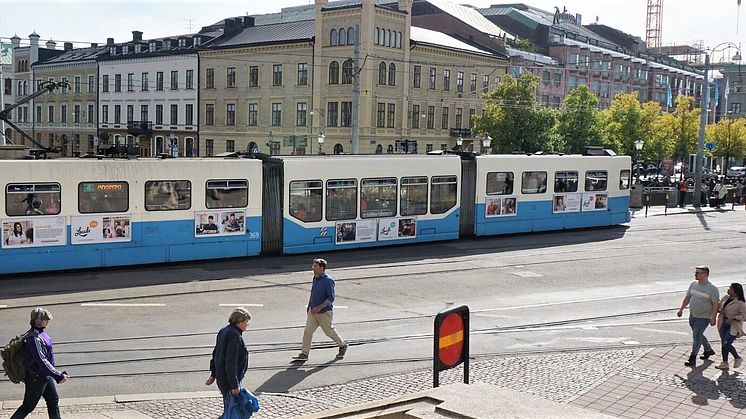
182, 42
138, 48
197, 41
113, 51
125, 49
151, 47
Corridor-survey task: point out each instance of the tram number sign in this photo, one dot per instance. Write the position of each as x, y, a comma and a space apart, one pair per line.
451, 342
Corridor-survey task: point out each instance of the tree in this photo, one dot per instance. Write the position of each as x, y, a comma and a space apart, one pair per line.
623, 123
660, 138
578, 122
730, 137
514, 121
524, 44
686, 127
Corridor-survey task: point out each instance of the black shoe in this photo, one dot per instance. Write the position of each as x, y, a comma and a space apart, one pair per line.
707, 355
691, 363
342, 351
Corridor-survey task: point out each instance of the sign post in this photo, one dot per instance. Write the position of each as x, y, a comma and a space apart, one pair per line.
451, 342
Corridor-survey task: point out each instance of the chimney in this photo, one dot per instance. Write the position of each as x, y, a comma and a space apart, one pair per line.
68, 46
229, 27
51, 44
94, 45
15, 41
248, 21
136, 36
405, 6
109, 41
34, 49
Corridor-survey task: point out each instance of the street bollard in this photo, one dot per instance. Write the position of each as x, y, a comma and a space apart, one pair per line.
647, 204
665, 211
733, 206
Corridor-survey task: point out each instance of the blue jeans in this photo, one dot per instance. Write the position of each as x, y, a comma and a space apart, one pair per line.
727, 342
699, 325
36, 388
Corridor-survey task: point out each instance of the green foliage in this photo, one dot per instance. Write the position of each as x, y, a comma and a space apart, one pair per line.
524, 44
622, 123
579, 122
685, 127
513, 119
730, 137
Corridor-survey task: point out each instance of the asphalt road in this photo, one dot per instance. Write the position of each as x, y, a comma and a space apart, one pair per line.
151, 329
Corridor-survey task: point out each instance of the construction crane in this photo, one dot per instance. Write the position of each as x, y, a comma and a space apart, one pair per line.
653, 25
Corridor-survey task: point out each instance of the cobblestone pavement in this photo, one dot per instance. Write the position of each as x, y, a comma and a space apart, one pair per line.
635, 382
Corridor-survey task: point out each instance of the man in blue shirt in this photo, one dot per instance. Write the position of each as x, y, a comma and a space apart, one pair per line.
320, 311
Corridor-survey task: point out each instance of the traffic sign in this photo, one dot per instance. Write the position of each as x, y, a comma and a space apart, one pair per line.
710, 146
451, 342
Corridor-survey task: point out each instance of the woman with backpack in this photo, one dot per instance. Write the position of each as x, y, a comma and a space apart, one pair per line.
41, 375
730, 323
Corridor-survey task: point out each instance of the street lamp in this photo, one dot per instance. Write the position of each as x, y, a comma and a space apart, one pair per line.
699, 162
459, 142
638, 147
321, 139
486, 142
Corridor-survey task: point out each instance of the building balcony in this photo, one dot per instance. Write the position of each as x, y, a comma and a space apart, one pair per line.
461, 132
139, 128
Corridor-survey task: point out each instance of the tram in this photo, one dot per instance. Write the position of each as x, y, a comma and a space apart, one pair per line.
88, 213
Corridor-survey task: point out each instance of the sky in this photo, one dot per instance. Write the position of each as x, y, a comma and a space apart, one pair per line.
684, 21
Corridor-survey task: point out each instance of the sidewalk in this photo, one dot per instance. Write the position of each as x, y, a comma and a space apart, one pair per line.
660, 210
634, 382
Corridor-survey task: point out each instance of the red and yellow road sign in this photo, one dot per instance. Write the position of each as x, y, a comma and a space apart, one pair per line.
451, 340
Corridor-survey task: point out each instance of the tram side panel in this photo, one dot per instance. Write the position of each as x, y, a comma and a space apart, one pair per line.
517, 194
345, 202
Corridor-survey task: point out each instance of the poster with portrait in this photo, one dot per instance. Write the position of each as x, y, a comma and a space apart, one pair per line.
569, 202
358, 231
667, 167
219, 223
595, 202
397, 228
34, 232
500, 206
101, 229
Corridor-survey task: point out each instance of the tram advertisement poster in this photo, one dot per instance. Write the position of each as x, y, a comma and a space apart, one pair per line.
397, 228
101, 229
359, 231
219, 223
569, 202
34, 232
500, 206
595, 202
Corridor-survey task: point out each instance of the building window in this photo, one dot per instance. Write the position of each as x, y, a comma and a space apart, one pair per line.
430, 117
159, 114
277, 114
444, 118
230, 114
210, 78
347, 72
254, 76
417, 76
253, 114
415, 116
300, 114
460, 81
230, 77
333, 38
117, 83
446, 80
105, 83
381, 115
159, 80
391, 115
333, 72
90, 114
174, 114
485, 84
473, 83
210, 147
151, 47
342, 36
230, 145
38, 114
346, 115
174, 80
91, 84
735, 108
332, 114
131, 82
431, 79
376, 35
130, 113
392, 74
76, 84
472, 113
382, 73
459, 117
143, 113
104, 114
117, 114
189, 114
277, 75
190, 79
350, 36
303, 74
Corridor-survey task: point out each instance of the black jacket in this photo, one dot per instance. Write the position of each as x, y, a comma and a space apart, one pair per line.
230, 358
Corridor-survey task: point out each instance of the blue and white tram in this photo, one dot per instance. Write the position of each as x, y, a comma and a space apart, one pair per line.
342, 202
516, 193
85, 213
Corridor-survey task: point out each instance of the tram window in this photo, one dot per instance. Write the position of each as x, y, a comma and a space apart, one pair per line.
534, 182
305, 200
624, 180
168, 195
565, 182
413, 195
378, 198
233, 193
103, 197
443, 194
341, 199
500, 183
32, 199
596, 180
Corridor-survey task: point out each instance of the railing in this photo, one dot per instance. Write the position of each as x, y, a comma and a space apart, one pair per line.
139, 127
461, 132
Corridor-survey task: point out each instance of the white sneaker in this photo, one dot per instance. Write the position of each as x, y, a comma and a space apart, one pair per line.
738, 363
722, 366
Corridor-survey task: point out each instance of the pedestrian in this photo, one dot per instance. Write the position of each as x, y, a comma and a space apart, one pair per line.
42, 376
720, 191
730, 323
319, 311
683, 187
703, 300
230, 358
738, 192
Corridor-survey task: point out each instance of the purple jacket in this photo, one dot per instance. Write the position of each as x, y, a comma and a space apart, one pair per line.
40, 354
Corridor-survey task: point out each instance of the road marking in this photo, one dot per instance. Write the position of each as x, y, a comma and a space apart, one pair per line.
527, 274
673, 332
122, 305
496, 316
3, 306
630, 342
241, 305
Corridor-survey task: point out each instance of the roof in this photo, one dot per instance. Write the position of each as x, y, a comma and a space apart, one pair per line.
282, 32
78, 54
467, 15
440, 39
531, 56
307, 12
